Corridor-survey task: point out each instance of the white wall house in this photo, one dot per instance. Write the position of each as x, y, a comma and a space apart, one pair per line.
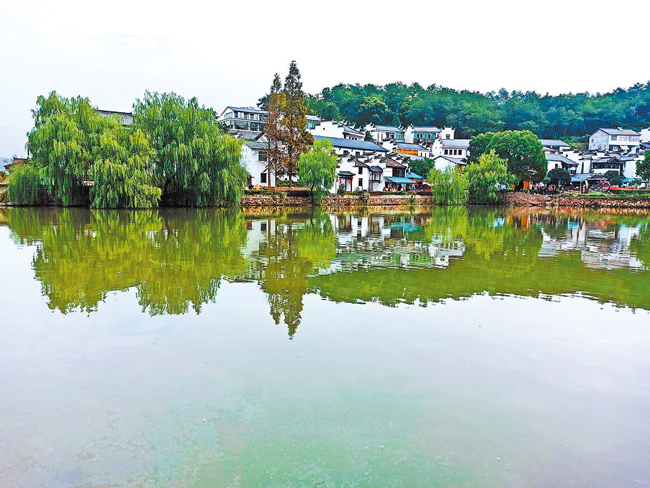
614, 140
456, 148
252, 119
253, 158
554, 146
560, 161
645, 135
443, 162
381, 133
332, 128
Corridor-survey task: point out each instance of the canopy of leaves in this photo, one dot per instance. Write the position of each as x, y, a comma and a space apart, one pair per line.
122, 171
448, 187
196, 164
422, 166
559, 176
471, 113
521, 149
487, 177
23, 185
643, 167
317, 169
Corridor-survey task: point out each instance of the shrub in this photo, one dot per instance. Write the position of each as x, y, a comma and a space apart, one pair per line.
364, 198
23, 185
488, 178
448, 187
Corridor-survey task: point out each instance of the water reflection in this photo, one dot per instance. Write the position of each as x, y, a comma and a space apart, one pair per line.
176, 259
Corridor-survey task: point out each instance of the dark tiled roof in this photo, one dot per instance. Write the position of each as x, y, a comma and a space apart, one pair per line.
553, 142
387, 128
560, 159
454, 143
376, 169
411, 147
257, 145
426, 129
619, 132
346, 173
350, 144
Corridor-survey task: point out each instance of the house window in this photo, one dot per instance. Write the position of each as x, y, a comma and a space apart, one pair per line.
261, 156
446, 152
263, 178
360, 182
358, 153
447, 136
360, 170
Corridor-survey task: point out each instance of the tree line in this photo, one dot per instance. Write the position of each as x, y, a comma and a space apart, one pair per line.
571, 117
173, 153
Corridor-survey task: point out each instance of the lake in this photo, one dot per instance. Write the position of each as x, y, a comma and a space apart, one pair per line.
426, 347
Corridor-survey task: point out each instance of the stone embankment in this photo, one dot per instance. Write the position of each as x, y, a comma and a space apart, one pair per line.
336, 201
574, 201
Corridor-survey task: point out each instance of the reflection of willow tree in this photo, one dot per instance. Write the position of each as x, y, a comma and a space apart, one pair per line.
174, 258
294, 251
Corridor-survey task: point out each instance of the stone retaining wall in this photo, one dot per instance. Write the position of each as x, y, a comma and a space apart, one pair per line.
577, 201
335, 201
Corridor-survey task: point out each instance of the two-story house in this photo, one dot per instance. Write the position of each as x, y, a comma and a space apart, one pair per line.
614, 140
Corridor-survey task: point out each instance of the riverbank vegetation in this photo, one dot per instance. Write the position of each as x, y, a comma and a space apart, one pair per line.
174, 152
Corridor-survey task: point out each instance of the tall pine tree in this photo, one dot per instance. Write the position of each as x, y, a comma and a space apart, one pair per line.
273, 132
297, 140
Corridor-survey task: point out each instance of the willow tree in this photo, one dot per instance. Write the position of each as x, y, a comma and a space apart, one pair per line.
66, 132
317, 169
196, 163
122, 171
23, 182
295, 136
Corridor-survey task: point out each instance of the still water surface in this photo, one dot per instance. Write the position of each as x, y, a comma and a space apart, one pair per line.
424, 348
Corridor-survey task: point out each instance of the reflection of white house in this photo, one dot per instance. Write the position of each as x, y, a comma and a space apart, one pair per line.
332, 128
614, 140
599, 247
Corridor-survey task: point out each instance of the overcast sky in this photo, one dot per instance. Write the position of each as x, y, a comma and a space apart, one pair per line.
225, 53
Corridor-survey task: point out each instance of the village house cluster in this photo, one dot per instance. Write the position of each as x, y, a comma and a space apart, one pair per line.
384, 162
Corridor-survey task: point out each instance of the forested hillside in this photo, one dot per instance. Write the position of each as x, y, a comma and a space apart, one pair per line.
562, 116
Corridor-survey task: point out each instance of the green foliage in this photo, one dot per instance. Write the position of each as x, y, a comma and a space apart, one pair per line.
122, 171
317, 169
616, 181
521, 149
486, 177
559, 176
422, 166
448, 187
364, 197
643, 167
609, 175
567, 117
293, 123
195, 164
63, 141
23, 185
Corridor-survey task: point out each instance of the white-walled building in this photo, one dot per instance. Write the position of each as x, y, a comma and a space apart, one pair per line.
456, 148
252, 119
332, 128
381, 133
645, 135
443, 162
253, 158
614, 140
560, 161
554, 146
